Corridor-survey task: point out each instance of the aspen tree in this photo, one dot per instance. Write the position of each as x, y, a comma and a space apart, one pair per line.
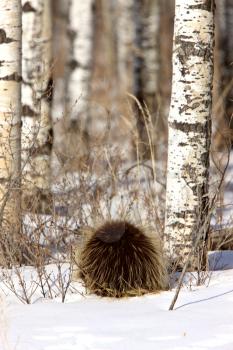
80, 62
36, 96
147, 18
125, 37
10, 114
107, 17
60, 49
146, 67
189, 126
226, 38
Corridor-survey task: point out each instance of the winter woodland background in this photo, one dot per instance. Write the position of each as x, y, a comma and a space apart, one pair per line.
84, 139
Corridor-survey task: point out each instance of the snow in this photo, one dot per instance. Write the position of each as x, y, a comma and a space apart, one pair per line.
202, 319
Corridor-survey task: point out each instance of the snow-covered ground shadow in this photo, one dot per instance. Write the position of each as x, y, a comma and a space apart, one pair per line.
221, 260
205, 299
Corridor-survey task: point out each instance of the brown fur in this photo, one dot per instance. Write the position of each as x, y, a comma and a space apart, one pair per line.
120, 259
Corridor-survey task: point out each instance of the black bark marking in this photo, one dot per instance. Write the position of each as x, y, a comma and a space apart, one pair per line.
73, 64
189, 127
182, 144
208, 5
27, 7
190, 173
48, 93
3, 37
12, 77
182, 215
178, 225
205, 159
191, 48
27, 111
44, 149
186, 81
186, 107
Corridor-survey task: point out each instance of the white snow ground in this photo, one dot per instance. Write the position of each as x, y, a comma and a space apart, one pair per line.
202, 319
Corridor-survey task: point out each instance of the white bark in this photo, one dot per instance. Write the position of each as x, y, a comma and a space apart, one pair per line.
10, 108
36, 94
125, 38
80, 63
189, 125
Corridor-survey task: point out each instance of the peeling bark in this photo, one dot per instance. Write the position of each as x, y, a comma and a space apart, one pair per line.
36, 96
189, 126
10, 113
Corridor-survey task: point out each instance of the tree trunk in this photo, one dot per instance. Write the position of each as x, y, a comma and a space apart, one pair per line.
60, 48
107, 25
60, 9
125, 35
226, 38
147, 19
146, 70
36, 98
167, 11
189, 127
220, 124
10, 127
10, 114
80, 62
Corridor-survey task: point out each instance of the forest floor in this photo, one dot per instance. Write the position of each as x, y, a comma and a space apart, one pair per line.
202, 318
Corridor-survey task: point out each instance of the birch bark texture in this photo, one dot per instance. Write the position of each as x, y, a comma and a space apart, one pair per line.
36, 95
189, 125
10, 112
80, 62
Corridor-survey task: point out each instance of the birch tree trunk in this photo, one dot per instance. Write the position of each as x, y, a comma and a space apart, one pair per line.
80, 62
125, 38
36, 97
189, 126
146, 68
60, 10
147, 19
227, 59
167, 11
10, 114
108, 36
220, 124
